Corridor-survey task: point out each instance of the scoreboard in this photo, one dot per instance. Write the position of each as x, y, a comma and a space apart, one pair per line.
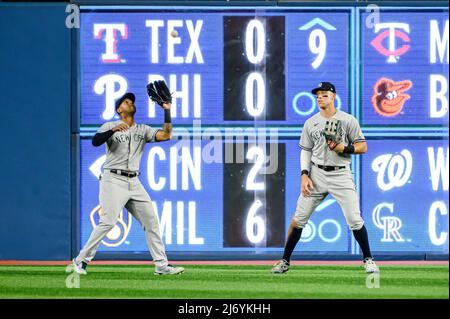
241, 79
225, 67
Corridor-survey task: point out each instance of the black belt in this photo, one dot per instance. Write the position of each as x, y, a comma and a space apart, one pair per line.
124, 173
328, 168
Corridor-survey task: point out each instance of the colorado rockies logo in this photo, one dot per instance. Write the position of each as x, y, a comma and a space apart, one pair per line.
389, 224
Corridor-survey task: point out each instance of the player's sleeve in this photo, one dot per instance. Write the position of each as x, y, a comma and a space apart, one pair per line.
105, 127
150, 134
306, 142
103, 134
355, 134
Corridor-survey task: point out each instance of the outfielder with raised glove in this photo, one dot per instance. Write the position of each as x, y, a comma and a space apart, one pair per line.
160, 94
120, 186
328, 138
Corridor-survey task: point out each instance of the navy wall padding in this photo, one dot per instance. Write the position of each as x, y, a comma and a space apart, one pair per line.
35, 87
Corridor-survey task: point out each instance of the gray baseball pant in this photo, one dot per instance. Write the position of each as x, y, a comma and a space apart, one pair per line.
117, 192
340, 185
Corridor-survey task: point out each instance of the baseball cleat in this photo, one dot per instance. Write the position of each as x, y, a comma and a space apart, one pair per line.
280, 267
370, 266
169, 270
79, 268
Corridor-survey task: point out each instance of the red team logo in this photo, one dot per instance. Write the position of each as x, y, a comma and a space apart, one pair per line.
393, 35
389, 97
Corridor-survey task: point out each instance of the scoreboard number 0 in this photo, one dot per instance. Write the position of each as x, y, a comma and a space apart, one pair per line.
255, 49
255, 27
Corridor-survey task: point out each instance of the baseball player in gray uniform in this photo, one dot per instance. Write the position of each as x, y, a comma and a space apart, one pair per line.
120, 186
328, 139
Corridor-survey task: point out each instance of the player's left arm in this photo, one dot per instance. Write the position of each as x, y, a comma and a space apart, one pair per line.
166, 132
353, 148
357, 142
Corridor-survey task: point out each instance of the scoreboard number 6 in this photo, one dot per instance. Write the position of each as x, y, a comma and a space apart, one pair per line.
254, 225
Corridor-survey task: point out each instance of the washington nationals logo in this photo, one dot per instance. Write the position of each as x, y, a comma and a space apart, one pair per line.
388, 96
397, 169
389, 224
393, 35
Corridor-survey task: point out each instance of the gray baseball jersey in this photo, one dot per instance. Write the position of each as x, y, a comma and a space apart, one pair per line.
123, 152
313, 139
124, 149
338, 183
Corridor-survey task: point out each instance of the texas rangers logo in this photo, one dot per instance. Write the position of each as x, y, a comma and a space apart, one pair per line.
389, 224
392, 34
388, 96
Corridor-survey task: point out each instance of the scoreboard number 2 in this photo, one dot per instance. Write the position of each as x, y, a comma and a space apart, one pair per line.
257, 154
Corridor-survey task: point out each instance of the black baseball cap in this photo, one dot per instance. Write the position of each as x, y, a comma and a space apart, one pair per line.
128, 95
324, 86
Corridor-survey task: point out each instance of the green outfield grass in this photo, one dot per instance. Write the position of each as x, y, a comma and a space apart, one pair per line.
225, 282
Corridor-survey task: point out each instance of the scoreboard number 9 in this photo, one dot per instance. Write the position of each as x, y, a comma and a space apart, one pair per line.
318, 46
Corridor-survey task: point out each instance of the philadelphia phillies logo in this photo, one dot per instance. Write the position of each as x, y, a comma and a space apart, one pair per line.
394, 36
397, 169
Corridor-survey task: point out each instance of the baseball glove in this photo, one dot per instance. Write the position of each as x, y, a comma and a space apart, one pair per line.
332, 133
159, 92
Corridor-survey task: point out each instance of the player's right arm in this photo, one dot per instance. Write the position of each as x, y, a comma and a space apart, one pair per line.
306, 144
104, 133
306, 182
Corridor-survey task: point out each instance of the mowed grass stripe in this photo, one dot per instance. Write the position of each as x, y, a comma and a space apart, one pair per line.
254, 280
337, 276
224, 282
308, 292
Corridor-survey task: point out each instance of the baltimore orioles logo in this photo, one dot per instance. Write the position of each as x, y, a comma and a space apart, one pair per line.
388, 97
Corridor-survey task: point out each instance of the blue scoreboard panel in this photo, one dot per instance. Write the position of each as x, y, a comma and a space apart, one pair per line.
404, 69
241, 80
230, 67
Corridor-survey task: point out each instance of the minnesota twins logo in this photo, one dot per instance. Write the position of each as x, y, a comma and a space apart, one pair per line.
392, 34
119, 233
389, 96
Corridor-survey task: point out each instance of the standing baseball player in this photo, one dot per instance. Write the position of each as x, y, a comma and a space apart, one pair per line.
328, 139
119, 183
